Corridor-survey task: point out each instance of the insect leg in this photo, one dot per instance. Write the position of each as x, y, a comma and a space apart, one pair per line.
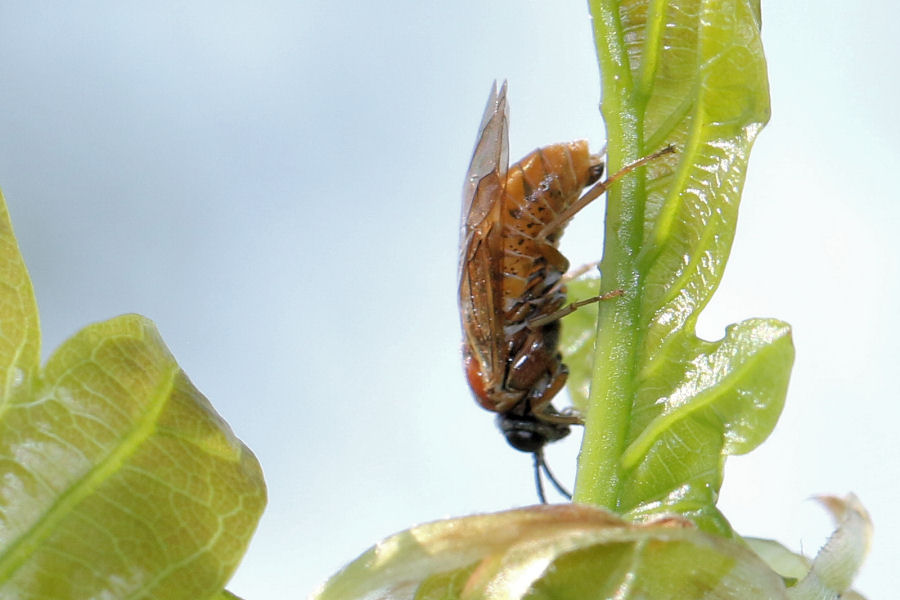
596, 191
573, 275
566, 310
546, 413
576, 273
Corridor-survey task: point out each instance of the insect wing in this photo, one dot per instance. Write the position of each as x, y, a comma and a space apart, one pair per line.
487, 171
480, 250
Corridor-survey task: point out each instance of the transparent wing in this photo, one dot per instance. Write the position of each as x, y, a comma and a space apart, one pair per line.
480, 248
487, 170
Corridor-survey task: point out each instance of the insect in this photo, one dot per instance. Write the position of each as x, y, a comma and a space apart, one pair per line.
511, 285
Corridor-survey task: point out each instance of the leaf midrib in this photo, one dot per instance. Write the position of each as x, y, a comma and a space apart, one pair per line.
19, 552
645, 440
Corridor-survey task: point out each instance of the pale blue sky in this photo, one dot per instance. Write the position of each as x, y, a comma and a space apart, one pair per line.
277, 185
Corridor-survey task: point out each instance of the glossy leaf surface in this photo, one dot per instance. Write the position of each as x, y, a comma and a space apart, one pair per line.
560, 552
665, 407
117, 477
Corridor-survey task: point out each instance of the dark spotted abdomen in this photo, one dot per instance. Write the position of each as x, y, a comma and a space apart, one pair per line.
538, 188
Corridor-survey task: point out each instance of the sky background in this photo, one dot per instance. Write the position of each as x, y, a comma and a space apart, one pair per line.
276, 185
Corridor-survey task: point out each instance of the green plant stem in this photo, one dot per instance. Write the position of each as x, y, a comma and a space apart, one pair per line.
609, 407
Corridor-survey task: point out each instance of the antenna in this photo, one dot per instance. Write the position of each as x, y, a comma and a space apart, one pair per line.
541, 465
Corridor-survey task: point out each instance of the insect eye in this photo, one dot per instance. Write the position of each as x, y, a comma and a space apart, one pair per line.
596, 172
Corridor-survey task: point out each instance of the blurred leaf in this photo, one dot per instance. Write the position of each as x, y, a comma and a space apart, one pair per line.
839, 560
577, 339
828, 576
559, 552
118, 479
666, 407
791, 566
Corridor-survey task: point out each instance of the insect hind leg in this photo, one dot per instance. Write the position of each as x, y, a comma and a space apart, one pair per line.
598, 190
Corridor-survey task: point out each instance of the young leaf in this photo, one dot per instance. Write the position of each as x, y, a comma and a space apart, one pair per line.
117, 477
560, 552
837, 563
829, 576
792, 567
665, 407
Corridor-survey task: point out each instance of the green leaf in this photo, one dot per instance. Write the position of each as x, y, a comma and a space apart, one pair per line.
665, 407
559, 552
20, 336
117, 477
791, 566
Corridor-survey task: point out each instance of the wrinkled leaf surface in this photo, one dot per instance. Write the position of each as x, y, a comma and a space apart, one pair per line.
669, 406
559, 552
